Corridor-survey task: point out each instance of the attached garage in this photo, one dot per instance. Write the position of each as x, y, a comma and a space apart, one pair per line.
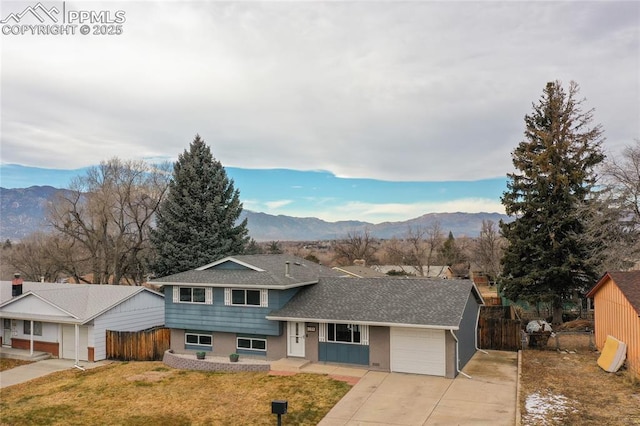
69, 342
418, 351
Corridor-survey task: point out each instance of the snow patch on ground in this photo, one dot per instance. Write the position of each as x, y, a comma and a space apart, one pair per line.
545, 409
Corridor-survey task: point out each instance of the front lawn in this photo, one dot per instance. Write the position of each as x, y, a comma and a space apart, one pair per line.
150, 393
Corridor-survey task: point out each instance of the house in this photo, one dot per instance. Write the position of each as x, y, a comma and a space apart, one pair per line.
616, 299
358, 271
429, 271
276, 306
70, 320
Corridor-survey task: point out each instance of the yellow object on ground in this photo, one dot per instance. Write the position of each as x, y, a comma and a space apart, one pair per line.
613, 355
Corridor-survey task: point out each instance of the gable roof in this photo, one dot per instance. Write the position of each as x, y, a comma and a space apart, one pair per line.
277, 271
628, 282
77, 303
417, 302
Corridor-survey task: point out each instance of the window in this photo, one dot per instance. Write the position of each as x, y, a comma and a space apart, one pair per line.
245, 297
197, 339
251, 344
37, 328
347, 333
193, 295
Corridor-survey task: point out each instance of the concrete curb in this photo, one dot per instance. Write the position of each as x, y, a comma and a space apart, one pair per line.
518, 414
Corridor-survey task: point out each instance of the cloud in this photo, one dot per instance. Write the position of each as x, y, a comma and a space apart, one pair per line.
400, 91
390, 212
275, 205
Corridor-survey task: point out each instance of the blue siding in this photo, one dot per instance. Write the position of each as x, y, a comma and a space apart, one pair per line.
344, 353
467, 332
230, 319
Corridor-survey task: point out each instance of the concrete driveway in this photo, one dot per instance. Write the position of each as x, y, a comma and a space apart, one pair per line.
488, 398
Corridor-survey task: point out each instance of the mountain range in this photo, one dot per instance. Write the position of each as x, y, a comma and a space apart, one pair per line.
23, 211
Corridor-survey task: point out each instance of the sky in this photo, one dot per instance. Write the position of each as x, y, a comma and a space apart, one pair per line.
418, 97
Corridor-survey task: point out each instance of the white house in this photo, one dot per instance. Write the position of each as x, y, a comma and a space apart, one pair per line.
70, 320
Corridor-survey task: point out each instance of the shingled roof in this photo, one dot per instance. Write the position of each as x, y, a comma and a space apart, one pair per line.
260, 270
81, 302
627, 281
428, 303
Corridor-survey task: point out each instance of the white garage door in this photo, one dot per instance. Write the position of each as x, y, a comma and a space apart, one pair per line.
419, 351
69, 343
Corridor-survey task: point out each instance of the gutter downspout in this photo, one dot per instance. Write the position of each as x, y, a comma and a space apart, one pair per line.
458, 357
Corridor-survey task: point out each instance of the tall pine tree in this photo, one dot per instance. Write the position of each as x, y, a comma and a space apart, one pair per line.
198, 221
545, 260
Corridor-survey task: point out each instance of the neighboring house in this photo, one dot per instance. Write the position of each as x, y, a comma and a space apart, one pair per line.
616, 299
70, 320
432, 271
277, 306
358, 271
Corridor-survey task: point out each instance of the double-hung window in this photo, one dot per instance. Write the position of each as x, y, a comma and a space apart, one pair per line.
202, 295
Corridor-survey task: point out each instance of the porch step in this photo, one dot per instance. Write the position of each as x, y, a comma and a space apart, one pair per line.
289, 364
23, 355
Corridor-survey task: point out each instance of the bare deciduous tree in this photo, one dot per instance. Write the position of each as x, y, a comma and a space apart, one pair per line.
108, 213
488, 249
357, 245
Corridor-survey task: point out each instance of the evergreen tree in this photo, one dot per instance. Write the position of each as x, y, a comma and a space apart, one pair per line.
198, 221
545, 260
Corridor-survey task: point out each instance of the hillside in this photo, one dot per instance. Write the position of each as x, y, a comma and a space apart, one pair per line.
23, 211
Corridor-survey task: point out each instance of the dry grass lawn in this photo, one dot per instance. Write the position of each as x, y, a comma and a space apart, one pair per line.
150, 393
8, 363
568, 387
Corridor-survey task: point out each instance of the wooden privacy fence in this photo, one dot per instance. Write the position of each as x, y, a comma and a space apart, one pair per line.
497, 330
145, 345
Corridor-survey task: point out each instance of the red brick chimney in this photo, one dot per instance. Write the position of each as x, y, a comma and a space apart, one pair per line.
16, 285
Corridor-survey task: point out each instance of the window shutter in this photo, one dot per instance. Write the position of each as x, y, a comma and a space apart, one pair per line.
322, 332
208, 296
176, 294
264, 298
227, 297
364, 334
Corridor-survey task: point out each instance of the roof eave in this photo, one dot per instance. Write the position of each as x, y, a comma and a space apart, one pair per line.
373, 323
256, 286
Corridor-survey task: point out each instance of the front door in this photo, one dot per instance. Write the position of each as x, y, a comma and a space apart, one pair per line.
296, 333
6, 333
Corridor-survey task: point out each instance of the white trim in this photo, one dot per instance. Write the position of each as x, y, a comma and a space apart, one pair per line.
251, 339
176, 294
373, 323
264, 298
364, 335
217, 285
229, 259
322, 332
207, 301
227, 296
198, 344
363, 330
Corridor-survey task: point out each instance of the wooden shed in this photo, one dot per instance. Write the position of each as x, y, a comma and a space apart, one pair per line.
616, 300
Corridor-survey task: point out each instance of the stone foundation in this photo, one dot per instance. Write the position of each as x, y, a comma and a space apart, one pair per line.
190, 362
